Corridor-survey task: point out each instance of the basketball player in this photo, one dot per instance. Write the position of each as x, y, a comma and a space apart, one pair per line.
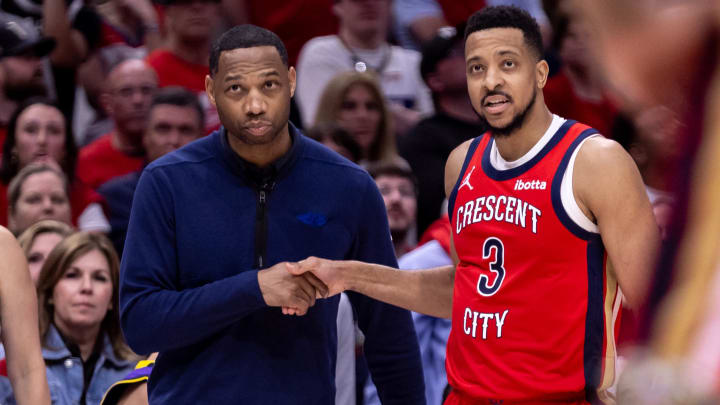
548, 217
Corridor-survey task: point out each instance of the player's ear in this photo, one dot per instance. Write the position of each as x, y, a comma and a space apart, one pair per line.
209, 83
542, 70
292, 80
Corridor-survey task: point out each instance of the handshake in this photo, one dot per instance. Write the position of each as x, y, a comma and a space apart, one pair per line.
296, 286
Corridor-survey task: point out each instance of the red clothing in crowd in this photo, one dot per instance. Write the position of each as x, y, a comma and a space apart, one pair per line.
458, 11
101, 161
81, 195
562, 100
174, 71
295, 22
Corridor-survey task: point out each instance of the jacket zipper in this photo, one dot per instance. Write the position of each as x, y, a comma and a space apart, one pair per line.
261, 225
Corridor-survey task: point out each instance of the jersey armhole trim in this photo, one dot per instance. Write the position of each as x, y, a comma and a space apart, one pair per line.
556, 192
468, 157
567, 194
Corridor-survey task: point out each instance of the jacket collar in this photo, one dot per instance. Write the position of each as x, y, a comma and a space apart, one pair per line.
55, 349
275, 170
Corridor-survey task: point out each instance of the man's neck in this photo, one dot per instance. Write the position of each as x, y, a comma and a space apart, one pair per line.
126, 143
190, 51
369, 41
262, 155
518, 143
458, 107
399, 239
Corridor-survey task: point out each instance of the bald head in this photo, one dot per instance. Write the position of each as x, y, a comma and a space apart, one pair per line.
130, 87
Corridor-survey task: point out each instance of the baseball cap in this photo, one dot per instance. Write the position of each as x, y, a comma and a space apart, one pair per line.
439, 48
19, 36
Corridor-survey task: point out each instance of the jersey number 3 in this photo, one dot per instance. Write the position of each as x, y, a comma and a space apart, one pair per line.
496, 266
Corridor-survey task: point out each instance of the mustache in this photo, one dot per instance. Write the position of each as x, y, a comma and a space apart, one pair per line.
496, 93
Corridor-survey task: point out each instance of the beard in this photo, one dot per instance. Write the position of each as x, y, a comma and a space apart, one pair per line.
516, 123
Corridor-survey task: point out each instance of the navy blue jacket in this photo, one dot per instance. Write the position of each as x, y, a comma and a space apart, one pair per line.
198, 233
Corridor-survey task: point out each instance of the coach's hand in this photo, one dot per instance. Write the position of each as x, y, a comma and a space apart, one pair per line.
280, 288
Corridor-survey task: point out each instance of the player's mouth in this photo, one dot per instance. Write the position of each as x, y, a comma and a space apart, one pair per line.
496, 103
258, 128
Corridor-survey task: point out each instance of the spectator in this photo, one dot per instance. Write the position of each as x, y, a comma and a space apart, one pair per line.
189, 26
38, 192
361, 45
39, 240
577, 92
428, 145
18, 312
416, 22
131, 85
354, 101
398, 187
83, 347
38, 132
22, 50
336, 138
176, 118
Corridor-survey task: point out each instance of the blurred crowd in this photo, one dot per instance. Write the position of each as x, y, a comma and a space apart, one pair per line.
91, 91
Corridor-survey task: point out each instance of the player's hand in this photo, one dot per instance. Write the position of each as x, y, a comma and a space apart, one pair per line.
328, 271
280, 288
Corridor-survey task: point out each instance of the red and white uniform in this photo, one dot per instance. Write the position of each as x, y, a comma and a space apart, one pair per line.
534, 303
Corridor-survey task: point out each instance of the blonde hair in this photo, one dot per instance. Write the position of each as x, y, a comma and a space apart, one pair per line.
57, 263
383, 147
27, 238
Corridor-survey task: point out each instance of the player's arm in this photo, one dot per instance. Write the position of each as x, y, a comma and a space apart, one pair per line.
425, 291
18, 311
607, 183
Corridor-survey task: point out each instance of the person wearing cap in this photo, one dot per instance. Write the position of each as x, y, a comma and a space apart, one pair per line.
22, 50
183, 61
361, 45
428, 145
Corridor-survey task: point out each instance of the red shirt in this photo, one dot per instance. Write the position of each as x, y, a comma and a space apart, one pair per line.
174, 71
533, 303
100, 161
458, 11
80, 197
562, 100
295, 22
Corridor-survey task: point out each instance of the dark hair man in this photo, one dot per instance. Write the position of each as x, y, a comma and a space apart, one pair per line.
537, 205
176, 118
213, 231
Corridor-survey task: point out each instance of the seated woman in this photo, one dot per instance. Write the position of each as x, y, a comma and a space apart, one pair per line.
39, 191
39, 133
18, 312
355, 102
39, 240
83, 347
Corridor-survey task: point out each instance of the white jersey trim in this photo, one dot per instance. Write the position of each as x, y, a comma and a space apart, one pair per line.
567, 196
499, 163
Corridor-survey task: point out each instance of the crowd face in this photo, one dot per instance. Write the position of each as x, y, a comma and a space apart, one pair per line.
42, 196
170, 127
23, 76
360, 115
40, 135
363, 17
502, 77
41, 247
131, 86
400, 201
82, 296
451, 71
252, 90
192, 20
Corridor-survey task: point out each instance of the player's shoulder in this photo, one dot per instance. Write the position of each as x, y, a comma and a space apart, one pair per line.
454, 164
598, 152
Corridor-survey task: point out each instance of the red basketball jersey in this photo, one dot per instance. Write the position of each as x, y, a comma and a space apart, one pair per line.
534, 304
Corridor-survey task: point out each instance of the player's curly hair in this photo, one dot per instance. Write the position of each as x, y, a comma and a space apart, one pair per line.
507, 17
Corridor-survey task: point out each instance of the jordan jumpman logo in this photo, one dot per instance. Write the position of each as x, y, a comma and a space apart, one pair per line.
466, 181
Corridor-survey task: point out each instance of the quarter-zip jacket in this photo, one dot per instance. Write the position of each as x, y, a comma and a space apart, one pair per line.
189, 287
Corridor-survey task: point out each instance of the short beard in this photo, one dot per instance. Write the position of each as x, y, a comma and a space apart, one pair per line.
516, 123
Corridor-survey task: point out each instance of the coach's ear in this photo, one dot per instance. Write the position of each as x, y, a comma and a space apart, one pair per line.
542, 70
209, 86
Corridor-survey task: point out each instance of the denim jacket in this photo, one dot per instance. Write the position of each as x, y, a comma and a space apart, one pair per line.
65, 373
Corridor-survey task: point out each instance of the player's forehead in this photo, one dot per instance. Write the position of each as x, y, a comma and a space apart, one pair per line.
243, 62
495, 42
